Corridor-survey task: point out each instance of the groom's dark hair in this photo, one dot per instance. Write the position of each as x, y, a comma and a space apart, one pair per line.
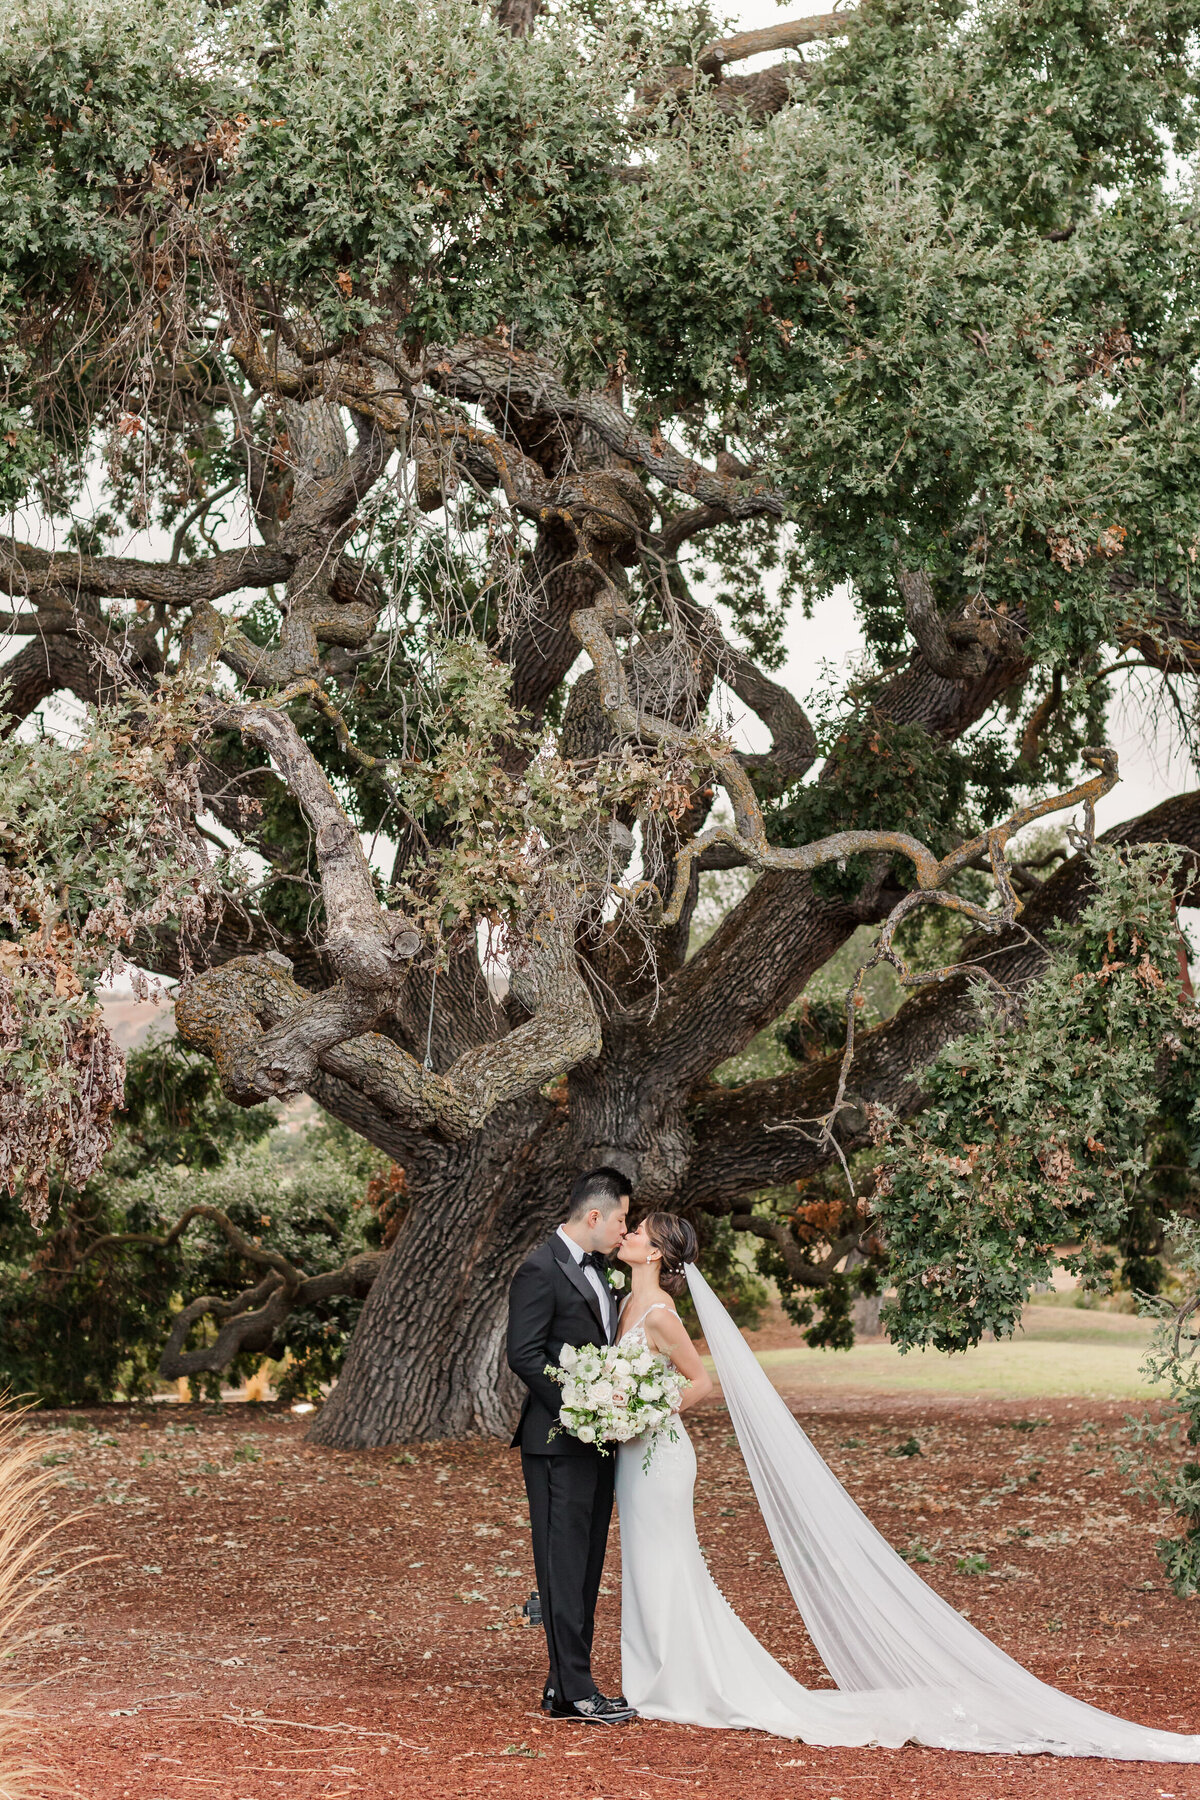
601, 1189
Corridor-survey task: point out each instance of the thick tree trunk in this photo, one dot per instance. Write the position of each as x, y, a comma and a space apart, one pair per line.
427, 1359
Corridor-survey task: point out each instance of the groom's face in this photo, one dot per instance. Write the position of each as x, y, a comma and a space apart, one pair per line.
608, 1229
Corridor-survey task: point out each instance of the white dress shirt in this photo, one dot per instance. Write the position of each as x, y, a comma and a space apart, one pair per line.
592, 1276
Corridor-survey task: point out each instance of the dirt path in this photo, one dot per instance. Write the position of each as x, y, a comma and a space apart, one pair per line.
281, 1621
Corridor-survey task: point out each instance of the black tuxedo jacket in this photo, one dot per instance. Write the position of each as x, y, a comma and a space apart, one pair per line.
550, 1303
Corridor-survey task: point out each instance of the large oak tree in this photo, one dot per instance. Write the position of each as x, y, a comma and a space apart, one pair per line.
384, 390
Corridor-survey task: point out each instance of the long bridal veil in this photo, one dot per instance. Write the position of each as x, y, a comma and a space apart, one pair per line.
876, 1625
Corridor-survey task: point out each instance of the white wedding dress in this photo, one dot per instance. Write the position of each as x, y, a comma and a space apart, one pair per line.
908, 1668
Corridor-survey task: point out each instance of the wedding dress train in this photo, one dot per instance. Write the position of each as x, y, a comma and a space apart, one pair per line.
908, 1667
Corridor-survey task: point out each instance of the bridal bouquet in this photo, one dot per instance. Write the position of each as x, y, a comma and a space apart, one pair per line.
613, 1393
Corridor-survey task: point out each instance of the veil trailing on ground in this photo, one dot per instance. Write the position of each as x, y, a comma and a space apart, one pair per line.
878, 1628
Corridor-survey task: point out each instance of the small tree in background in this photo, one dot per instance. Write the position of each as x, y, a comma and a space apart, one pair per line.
1163, 1457
183, 1206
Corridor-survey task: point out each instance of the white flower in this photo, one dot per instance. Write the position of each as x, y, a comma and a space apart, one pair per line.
616, 1279
611, 1395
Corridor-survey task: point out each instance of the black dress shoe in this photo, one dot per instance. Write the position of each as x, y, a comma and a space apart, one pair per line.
595, 1710
616, 1700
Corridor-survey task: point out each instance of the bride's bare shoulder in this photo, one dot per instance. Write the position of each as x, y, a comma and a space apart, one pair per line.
663, 1318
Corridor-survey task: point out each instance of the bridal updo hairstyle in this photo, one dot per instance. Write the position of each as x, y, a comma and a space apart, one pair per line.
677, 1241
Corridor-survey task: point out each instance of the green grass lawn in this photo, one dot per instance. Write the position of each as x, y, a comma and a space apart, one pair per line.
1060, 1351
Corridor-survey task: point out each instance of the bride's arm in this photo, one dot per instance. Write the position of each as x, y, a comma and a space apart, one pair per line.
666, 1333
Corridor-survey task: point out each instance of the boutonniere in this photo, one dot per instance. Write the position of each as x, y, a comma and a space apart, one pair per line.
616, 1279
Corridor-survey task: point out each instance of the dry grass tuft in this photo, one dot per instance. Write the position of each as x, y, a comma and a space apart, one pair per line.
23, 1540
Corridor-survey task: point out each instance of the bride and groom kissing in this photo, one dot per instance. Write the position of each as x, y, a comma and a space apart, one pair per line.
568, 1293
908, 1668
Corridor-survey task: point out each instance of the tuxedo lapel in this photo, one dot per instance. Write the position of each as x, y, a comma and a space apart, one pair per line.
575, 1275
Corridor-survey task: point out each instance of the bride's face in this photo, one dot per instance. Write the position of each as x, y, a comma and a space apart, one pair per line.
637, 1247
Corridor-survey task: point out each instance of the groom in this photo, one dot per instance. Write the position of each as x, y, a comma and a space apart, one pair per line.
560, 1295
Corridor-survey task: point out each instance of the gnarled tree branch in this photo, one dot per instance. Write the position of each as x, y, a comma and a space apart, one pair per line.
957, 649
252, 1319
748, 835
768, 90
738, 1145
231, 1012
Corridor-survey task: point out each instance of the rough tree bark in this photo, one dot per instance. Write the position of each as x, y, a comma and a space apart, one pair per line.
427, 1357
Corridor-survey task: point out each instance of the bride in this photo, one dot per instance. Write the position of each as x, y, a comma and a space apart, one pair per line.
908, 1668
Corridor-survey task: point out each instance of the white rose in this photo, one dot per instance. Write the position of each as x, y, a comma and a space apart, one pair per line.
650, 1390
602, 1393
586, 1435
569, 1356
643, 1364
571, 1395
616, 1279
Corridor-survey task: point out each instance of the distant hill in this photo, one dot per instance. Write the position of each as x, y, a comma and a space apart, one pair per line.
130, 1020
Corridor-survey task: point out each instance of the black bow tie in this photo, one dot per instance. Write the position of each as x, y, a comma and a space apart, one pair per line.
592, 1259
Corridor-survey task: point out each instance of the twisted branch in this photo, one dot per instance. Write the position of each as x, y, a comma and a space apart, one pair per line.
230, 1013
768, 90
254, 1317
737, 1152
747, 838
957, 649
800, 1266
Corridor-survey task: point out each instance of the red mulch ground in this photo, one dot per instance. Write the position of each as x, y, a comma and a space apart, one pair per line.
276, 1620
